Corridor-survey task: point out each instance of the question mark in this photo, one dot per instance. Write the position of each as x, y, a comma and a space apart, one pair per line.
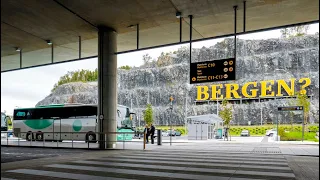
303, 87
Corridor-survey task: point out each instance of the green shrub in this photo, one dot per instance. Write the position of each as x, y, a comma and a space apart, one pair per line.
297, 136
313, 128
181, 130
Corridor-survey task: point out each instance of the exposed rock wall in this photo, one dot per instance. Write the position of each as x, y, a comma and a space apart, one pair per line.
257, 60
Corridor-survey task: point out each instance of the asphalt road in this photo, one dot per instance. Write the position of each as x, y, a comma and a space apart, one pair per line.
11, 154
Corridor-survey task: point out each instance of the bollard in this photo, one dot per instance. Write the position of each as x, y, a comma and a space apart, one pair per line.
123, 140
144, 140
159, 137
72, 139
105, 141
19, 139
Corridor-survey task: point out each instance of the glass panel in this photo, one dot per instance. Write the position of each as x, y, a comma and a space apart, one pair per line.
127, 41
166, 69
159, 35
185, 29
278, 13
67, 51
214, 49
260, 57
10, 62
215, 25
89, 48
38, 57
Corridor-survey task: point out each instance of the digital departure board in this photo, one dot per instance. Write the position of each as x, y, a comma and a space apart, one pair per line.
291, 108
212, 71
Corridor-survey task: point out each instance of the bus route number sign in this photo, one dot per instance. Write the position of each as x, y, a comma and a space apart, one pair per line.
212, 71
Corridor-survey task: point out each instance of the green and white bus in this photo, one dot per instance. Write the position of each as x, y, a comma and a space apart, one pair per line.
60, 122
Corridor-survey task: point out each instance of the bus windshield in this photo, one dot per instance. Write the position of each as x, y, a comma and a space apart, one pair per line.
3, 122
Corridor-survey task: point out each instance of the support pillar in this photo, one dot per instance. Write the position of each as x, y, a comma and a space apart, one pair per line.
107, 87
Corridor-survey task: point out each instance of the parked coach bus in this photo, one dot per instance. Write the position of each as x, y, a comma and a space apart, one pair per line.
64, 122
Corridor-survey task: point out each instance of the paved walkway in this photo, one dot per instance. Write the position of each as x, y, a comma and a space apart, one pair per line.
162, 164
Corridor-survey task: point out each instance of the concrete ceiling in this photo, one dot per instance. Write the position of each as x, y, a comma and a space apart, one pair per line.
27, 24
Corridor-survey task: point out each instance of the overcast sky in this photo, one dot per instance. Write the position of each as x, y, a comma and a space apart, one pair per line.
24, 88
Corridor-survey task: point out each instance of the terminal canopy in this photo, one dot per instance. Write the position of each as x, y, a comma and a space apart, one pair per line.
35, 33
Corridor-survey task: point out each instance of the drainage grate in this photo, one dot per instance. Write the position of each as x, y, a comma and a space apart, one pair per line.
265, 150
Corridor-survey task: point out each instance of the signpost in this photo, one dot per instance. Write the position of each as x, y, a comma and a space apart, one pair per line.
212, 71
171, 107
292, 108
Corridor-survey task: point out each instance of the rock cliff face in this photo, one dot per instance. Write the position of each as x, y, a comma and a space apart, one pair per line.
257, 60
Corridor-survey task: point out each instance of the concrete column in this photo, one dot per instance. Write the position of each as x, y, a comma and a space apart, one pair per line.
107, 86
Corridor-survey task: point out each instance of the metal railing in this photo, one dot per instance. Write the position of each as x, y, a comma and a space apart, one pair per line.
73, 139
125, 140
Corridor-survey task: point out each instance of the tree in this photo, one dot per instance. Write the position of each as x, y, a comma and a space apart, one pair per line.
9, 121
294, 31
226, 113
146, 59
148, 114
126, 67
77, 76
303, 100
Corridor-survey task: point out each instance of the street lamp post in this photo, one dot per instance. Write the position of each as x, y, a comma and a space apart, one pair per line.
260, 111
186, 115
217, 104
171, 107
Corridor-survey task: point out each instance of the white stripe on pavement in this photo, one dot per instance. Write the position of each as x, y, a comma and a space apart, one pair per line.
190, 169
198, 164
62, 174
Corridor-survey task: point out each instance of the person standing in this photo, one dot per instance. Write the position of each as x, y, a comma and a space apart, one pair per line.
147, 133
152, 130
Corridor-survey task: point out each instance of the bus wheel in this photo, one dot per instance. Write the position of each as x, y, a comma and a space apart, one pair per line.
91, 137
29, 136
39, 136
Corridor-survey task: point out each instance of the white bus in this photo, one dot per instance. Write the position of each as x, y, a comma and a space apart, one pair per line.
64, 122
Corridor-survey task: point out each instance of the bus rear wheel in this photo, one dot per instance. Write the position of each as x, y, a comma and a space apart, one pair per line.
91, 137
39, 136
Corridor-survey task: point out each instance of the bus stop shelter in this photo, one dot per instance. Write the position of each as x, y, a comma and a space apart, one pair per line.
203, 127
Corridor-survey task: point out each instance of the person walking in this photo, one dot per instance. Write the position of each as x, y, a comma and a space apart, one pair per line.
147, 133
152, 130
